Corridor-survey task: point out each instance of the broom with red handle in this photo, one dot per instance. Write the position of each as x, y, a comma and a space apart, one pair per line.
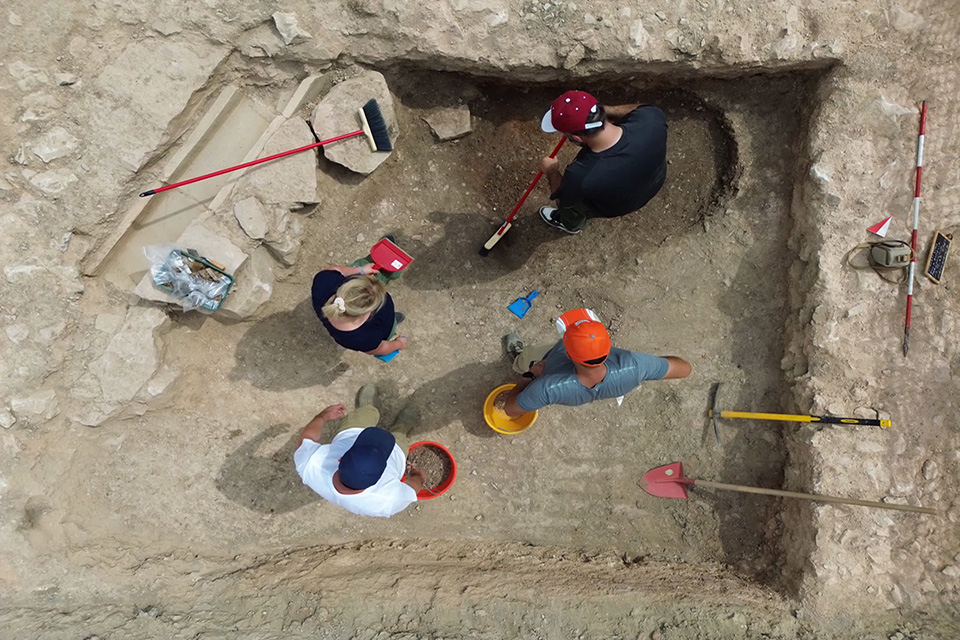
373, 126
916, 222
495, 238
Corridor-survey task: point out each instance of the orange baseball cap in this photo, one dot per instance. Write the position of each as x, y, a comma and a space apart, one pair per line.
586, 340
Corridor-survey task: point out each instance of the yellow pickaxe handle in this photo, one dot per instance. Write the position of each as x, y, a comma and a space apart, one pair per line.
788, 417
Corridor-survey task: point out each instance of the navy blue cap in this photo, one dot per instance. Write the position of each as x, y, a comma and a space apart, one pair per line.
363, 463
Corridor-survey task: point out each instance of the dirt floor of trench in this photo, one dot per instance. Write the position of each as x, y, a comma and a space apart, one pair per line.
698, 273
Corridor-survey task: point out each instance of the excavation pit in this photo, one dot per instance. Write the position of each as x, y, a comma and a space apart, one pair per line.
700, 273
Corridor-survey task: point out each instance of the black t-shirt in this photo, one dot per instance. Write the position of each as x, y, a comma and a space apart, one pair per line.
626, 176
367, 336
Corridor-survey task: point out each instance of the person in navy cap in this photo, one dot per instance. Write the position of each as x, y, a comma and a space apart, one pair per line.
621, 166
361, 469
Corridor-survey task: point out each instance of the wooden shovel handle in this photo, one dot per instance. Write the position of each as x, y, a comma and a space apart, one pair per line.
812, 496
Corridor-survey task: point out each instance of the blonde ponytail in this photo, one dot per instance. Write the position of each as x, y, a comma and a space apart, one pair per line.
356, 297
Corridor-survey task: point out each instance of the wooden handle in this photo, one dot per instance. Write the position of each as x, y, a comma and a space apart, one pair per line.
812, 496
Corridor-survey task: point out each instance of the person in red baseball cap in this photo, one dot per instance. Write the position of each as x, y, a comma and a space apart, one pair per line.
621, 166
582, 367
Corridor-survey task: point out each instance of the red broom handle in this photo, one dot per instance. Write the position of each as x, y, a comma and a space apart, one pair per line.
282, 154
526, 193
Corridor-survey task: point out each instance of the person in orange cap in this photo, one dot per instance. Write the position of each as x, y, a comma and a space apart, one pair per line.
622, 162
582, 367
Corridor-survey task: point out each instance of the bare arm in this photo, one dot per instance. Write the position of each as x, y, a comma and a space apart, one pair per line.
365, 270
415, 478
389, 346
679, 368
618, 112
315, 427
551, 169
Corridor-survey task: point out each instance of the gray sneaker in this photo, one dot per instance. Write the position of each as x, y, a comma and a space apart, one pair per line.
407, 419
367, 396
547, 214
513, 344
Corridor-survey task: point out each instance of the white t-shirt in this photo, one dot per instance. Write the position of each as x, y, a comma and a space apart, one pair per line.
316, 463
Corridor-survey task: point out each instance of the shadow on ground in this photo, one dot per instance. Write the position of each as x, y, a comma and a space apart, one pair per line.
265, 480
288, 350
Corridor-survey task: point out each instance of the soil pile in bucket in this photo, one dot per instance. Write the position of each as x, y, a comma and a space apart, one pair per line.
433, 462
501, 400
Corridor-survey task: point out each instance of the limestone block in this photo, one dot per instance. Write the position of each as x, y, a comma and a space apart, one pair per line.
7, 419
253, 287
51, 182
336, 114
132, 356
285, 237
250, 215
54, 144
290, 180
108, 322
148, 85
450, 123
289, 29
39, 406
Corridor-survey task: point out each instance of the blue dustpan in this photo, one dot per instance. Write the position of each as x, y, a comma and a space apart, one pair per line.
520, 306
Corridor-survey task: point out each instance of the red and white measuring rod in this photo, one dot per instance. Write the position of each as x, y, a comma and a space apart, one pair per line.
916, 222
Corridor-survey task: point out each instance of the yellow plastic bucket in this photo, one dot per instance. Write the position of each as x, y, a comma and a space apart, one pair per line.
501, 422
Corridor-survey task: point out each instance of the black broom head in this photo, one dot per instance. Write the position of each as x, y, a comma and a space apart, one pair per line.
377, 126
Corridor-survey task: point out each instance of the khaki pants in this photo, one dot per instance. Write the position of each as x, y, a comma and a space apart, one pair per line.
530, 355
368, 416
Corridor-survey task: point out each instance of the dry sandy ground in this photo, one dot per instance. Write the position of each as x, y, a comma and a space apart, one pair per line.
189, 520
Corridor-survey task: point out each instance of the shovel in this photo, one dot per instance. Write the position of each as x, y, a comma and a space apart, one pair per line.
520, 306
668, 481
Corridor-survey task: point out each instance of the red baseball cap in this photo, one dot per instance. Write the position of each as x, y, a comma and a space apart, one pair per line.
586, 341
572, 112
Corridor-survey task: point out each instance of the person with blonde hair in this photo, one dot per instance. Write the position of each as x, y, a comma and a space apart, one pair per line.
354, 306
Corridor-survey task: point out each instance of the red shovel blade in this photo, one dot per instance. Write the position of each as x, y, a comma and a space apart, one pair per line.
666, 481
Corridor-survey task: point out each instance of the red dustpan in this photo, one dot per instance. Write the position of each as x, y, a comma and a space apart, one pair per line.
668, 482
389, 257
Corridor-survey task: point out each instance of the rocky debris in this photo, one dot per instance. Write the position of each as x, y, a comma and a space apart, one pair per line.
249, 213
50, 182
161, 382
54, 144
253, 287
132, 356
289, 29
450, 123
166, 27
285, 236
65, 79
930, 470
14, 19
17, 333
38, 107
37, 407
148, 85
7, 419
260, 42
336, 114
28, 78
290, 180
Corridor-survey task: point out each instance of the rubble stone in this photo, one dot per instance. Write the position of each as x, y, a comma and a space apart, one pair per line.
56, 143
65, 79
132, 357
249, 213
26, 76
289, 29
7, 419
42, 405
450, 123
337, 114
108, 322
51, 182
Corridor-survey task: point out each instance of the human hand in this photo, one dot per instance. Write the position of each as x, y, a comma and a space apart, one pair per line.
333, 412
369, 269
401, 342
549, 165
537, 368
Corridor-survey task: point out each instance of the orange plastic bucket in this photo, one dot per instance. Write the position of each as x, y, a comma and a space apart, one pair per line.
500, 421
429, 494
